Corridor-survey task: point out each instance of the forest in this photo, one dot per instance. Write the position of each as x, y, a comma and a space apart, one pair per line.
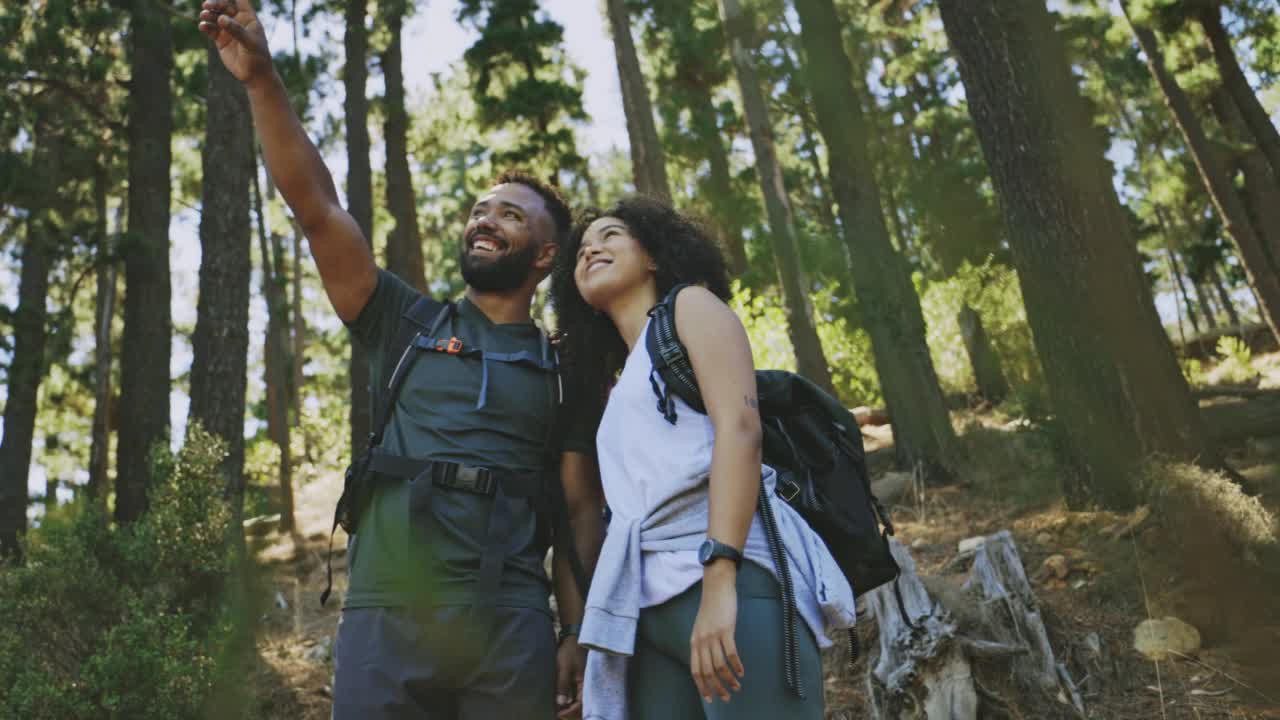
1034, 243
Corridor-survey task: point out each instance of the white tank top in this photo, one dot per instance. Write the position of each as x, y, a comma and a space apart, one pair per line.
645, 460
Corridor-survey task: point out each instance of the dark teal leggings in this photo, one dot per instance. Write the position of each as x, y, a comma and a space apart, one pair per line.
660, 684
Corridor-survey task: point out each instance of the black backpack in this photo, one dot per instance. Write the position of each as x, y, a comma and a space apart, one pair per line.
417, 331
813, 443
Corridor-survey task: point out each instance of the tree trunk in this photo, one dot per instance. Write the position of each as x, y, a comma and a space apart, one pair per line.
299, 340
691, 74
1255, 116
145, 346
1263, 279
887, 300
103, 312
404, 242
276, 360
1116, 387
220, 343
1261, 189
1180, 284
1210, 312
702, 119
810, 360
26, 370
988, 372
648, 162
359, 194
1227, 305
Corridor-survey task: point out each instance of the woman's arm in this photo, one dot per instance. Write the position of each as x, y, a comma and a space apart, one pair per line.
720, 353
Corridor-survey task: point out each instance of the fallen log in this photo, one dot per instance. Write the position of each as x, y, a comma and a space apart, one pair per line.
1205, 345
1234, 420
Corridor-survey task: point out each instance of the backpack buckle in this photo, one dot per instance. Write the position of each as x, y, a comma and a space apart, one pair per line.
793, 488
453, 346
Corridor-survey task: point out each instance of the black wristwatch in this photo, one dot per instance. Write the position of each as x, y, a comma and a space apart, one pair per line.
568, 629
711, 550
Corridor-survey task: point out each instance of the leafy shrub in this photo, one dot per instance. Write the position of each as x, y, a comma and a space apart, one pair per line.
992, 291
1236, 363
122, 622
848, 349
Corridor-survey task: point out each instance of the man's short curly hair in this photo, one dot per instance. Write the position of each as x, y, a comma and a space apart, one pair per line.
684, 250
561, 216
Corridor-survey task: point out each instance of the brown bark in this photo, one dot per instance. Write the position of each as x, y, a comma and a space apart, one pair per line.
1261, 189
276, 360
1225, 297
1255, 116
404, 241
988, 371
1263, 279
1206, 306
810, 359
359, 193
299, 340
887, 300
1180, 284
103, 312
220, 343
145, 346
648, 162
26, 370
1116, 388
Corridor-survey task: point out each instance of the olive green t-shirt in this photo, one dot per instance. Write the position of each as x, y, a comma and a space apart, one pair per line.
436, 418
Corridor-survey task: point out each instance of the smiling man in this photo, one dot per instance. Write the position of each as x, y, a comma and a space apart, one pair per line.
477, 462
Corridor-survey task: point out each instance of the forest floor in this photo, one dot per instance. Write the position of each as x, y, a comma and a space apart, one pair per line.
1095, 581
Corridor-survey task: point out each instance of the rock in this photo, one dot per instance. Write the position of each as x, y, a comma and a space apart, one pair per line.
1055, 566
917, 543
1158, 639
321, 652
1094, 642
971, 545
1044, 538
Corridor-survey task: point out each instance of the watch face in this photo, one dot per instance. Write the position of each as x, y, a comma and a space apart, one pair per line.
704, 551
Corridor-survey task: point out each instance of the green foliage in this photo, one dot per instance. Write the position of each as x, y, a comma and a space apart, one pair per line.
992, 291
522, 80
848, 349
122, 622
1235, 364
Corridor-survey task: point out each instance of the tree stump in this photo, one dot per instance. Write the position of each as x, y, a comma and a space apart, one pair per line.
921, 672
925, 667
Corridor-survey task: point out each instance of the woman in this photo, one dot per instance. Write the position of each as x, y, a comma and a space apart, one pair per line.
675, 618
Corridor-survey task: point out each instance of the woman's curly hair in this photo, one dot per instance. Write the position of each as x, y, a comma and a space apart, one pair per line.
684, 250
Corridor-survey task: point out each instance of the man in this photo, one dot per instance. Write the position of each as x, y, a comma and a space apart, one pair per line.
434, 624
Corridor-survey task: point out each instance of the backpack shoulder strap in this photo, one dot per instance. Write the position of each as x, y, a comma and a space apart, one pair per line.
670, 360
424, 316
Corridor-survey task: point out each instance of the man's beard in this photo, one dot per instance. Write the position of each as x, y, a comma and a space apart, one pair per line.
505, 272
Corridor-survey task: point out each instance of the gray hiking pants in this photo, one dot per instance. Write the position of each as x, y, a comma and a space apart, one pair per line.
432, 664
660, 684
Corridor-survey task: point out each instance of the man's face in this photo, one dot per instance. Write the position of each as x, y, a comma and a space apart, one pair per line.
506, 239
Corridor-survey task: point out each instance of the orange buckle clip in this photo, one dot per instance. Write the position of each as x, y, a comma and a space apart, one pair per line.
454, 347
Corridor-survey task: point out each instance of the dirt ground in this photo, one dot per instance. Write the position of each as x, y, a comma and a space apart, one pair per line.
1112, 582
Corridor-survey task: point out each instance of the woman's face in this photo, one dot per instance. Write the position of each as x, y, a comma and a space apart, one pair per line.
610, 262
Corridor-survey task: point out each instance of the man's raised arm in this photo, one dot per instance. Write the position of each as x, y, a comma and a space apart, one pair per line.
341, 251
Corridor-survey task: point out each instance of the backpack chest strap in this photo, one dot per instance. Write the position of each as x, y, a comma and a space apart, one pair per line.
543, 362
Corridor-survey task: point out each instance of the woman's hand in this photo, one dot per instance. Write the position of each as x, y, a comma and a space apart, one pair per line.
713, 656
